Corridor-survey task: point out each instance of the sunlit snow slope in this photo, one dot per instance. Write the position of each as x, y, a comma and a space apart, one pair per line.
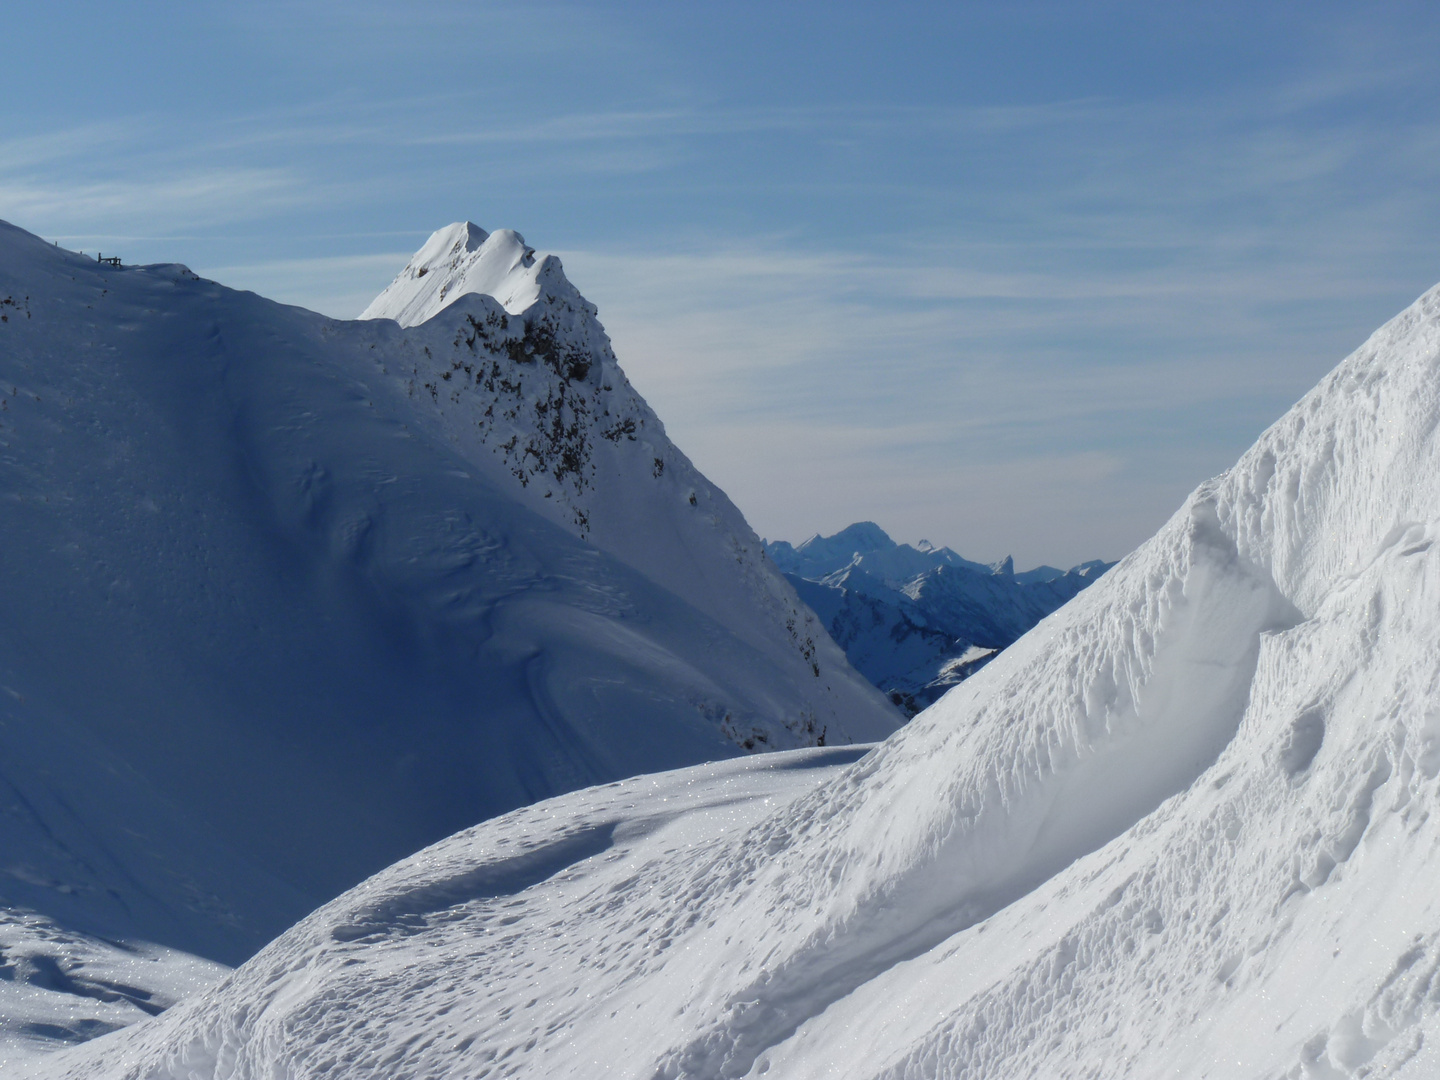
1186, 827
283, 599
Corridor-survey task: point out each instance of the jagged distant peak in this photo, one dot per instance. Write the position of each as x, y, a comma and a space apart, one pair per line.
463, 259
866, 544
862, 537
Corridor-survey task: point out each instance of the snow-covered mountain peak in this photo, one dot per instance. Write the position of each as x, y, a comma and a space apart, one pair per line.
861, 538
868, 546
462, 259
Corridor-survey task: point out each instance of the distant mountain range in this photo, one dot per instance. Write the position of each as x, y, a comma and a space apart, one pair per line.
917, 620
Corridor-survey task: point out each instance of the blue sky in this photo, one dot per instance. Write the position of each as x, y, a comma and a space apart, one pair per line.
1013, 278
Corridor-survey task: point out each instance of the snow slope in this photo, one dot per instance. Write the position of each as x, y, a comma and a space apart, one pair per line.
274, 613
1185, 827
58, 986
917, 621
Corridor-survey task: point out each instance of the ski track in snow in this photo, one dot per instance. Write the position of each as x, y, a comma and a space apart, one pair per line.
1185, 827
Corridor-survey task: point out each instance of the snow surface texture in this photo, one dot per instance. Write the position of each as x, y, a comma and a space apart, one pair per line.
58, 986
284, 599
917, 621
1185, 827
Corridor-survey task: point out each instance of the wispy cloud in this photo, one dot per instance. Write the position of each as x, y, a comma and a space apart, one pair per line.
212, 196
340, 286
956, 307
29, 151
808, 383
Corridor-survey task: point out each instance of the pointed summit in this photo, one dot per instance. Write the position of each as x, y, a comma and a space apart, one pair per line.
862, 538
463, 258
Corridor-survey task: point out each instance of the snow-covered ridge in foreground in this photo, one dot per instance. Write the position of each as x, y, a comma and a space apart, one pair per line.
1185, 827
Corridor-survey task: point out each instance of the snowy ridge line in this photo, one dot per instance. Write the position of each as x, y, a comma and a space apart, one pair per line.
1256, 471
1287, 501
1165, 710
1295, 510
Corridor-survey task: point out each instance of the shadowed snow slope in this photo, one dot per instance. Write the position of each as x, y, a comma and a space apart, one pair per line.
1184, 827
284, 599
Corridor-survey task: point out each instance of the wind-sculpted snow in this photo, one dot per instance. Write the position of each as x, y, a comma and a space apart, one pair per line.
58, 986
1185, 827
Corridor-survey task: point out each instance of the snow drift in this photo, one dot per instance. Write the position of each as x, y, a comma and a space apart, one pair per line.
284, 599
1185, 827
